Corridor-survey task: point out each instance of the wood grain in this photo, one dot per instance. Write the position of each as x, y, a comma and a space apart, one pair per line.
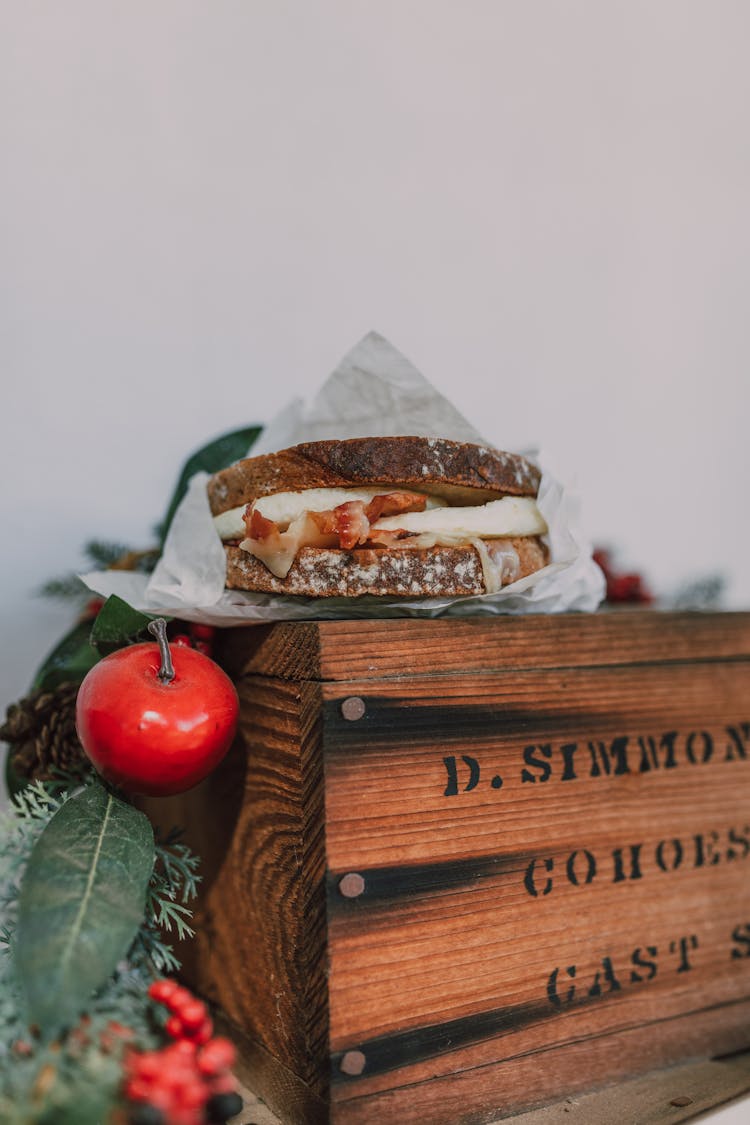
572, 740
374, 648
485, 1094
442, 964
668, 1096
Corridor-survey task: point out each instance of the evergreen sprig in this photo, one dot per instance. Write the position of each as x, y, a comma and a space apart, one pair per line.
65, 588
29, 812
81, 1072
104, 553
173, 884
99, 554
21, 825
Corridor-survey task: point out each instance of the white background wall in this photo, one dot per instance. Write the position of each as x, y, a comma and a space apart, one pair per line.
545, 205
202, 206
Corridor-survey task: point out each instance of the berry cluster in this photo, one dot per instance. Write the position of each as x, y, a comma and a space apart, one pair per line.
622, 587
188, 1082
199, 637
189, 1018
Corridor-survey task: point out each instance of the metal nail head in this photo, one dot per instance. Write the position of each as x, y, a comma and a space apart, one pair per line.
353, 1063
353, 708
352, 885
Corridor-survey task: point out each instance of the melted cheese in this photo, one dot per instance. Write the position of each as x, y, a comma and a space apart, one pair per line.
506, 518
286, 507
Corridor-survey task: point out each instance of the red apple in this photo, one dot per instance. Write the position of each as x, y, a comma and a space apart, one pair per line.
156, 719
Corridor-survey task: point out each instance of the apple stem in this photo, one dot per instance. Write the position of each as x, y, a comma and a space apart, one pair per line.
158, 628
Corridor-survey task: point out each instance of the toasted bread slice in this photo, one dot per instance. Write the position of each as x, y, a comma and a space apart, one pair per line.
392, 572
461, 473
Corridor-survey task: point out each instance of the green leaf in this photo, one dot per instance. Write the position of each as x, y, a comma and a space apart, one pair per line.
69, 660
219, 453
117, 624
82, 901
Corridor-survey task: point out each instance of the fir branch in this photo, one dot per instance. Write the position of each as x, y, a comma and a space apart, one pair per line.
167, 914
65, 588
104, 554
21, 825
179, 867
150, 951
174, 883
28, 814
116, 556
35, 802
83, 1069
30, 810
66, 782
99, 555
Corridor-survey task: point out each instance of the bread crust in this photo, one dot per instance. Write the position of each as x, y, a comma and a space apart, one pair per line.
397, 573
460, 472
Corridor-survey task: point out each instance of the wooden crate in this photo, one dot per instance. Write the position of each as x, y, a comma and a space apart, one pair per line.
456, 868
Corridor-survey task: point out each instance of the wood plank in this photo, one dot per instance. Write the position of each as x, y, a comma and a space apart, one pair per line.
285, 650
670, 1096
487, 967
662, 1097
479, 899
500, 1089
374, 648
386, 777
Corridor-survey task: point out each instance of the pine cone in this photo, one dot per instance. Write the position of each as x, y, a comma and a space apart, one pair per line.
42, 735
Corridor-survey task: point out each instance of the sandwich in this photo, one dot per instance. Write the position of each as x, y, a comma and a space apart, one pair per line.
385, 516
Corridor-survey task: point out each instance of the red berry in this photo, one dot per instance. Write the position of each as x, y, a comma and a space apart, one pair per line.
603, 559
194, 1094
164, 1100
178, 999
202, 632
217, 1056
182, 1048
148, 1065
136, 1090
192, 1015
182, 639
175, 1077
174, 1027
204, 1033
223, 1084
161, 990
92, 607
204, 646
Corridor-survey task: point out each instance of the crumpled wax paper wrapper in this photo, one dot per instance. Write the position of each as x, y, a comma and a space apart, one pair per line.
374, 392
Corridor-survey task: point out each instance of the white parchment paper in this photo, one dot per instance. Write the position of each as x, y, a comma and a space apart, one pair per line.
374, 392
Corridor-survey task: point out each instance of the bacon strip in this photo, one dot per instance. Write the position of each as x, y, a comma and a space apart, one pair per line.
394, 503
258, 527
348, 521
347, 526
352, 521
